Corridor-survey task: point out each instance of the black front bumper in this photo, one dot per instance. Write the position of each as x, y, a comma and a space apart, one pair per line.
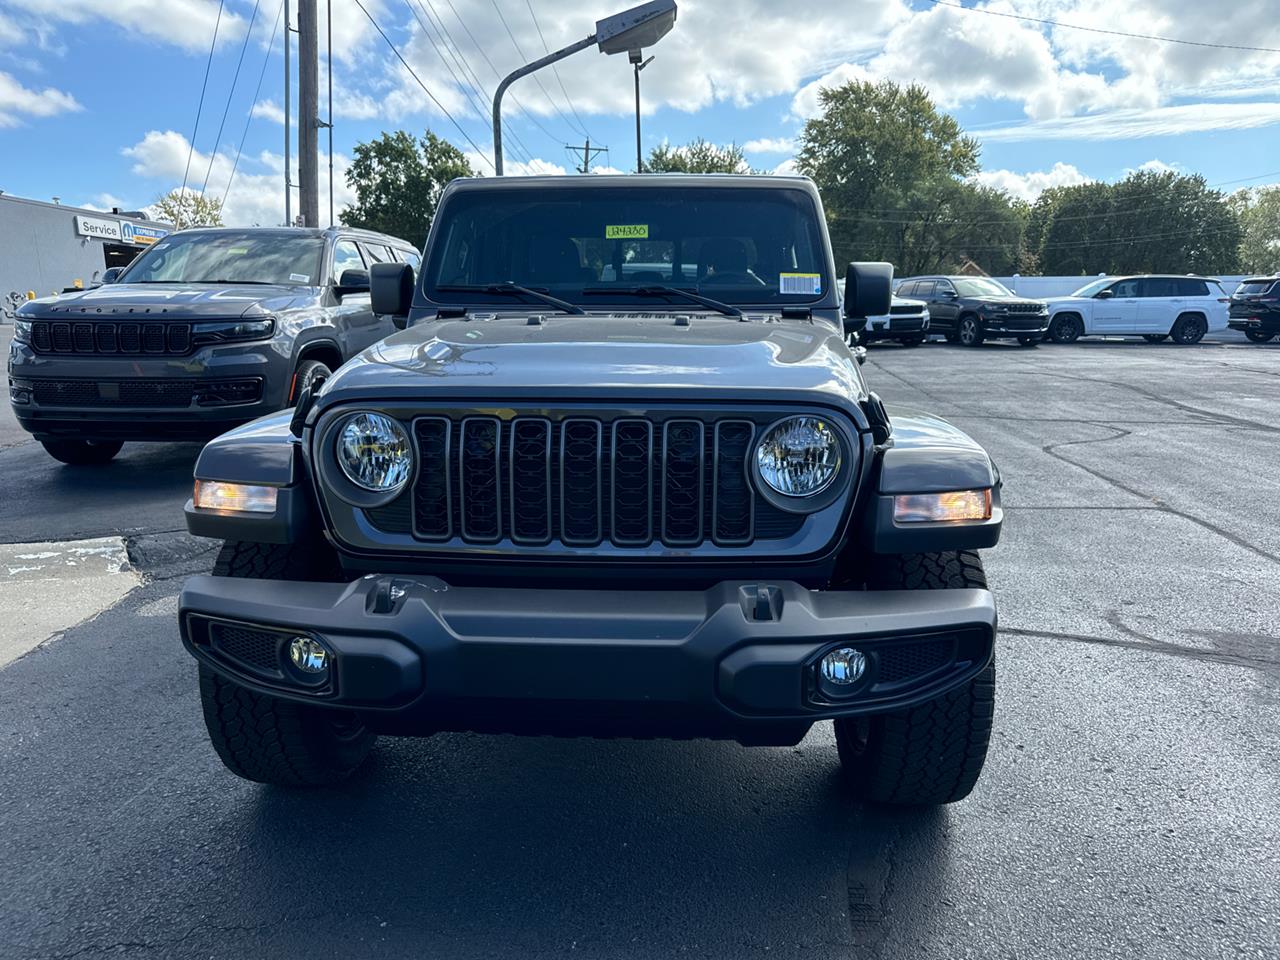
738, 660
1005, 326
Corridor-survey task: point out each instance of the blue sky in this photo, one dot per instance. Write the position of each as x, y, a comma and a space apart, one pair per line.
98, 97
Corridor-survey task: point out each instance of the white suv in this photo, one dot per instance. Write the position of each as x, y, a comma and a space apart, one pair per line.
1151, 306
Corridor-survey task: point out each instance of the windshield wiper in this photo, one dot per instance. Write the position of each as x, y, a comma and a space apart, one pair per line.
509, 289
728, 309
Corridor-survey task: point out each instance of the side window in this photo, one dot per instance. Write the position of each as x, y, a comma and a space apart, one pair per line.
1124, 289
411, 258
1190, 287
906, 289
942, 287
376, 253
1159, 287
346, 256
924, 289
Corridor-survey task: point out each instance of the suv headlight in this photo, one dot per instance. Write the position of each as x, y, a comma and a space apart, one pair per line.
222, 331
799, 457
21, 330
374, 452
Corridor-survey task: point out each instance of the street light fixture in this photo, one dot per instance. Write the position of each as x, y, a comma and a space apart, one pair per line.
639, 65
627, 32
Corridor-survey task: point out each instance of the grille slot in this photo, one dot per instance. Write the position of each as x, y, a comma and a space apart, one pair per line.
432, 509
478, 480
632, 483
146, 392
530, 471
733, 503
109, 337
580, 486
682, 482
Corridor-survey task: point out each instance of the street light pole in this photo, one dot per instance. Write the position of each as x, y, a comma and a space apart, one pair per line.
636, 62
626, 32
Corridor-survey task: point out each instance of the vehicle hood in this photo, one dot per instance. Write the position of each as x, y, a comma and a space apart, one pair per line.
1057, 301
584, 357
168, 301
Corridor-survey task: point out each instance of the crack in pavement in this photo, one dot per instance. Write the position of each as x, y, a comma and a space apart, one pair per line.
1158, 504
1151, 645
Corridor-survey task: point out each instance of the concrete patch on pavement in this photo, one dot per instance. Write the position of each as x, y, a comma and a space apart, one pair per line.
46, 588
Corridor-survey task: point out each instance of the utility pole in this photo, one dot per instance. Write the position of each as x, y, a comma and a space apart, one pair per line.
288, 130
308, 113
638, 65
589, 153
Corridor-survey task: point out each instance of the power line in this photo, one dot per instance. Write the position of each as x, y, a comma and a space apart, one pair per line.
191, 147
484, 54
257, 90
582, 127
516, 43
230, 93
415, 76
1112, 33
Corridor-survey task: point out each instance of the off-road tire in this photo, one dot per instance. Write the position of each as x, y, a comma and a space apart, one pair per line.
1155, 337
307, 371
263, 738
932, 753
82, 453
1189, 329
1259, 336
277, 741
1066, 328
969, 331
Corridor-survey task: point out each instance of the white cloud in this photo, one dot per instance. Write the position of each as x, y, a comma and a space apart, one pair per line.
1156, 165
1131, 124
806, 103
787, 168
511, 167
1029, 186
272, 112
770, 145
184, 23
17, 101
257, 191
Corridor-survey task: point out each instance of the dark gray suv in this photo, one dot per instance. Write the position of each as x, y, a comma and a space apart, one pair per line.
207, 329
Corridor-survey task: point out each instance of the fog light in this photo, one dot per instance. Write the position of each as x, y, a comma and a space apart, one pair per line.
308, 655
933, 507
241, 497
843, 667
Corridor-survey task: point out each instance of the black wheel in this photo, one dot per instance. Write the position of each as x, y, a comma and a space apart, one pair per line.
82, 453
932, 753
1188, 329
1155, 337
970, 332
307, 371
263, 738
1259, 336
1066, 328
1029, 341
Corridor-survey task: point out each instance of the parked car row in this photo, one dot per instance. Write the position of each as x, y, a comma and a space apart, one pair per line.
207, 329
1156, 307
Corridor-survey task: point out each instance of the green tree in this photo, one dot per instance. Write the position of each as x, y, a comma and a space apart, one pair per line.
1149, 222
697, 156
1259, 213
894, 174
398, 180
187, 208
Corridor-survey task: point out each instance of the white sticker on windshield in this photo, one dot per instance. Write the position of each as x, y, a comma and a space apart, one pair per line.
299, 278
804, 284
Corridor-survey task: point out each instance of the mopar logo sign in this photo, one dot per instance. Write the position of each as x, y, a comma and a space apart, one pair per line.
137, 233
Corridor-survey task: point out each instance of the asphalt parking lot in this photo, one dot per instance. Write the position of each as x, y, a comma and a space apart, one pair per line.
1130, 806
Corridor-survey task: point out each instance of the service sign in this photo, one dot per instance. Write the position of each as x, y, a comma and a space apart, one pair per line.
100, 227
137, 233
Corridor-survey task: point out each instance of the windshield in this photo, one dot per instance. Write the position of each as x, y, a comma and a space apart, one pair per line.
980, 287
1251, 288
732, 244
1091, 289
230, 257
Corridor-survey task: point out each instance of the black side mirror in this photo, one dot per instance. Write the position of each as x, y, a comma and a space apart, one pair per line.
352, 281
868, 291
391, 291
1103, 295
111, 274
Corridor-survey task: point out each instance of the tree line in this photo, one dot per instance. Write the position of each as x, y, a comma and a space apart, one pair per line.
897, 178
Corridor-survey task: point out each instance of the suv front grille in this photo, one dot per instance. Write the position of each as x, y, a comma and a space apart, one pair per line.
107, 337
583, 481
1026, 308
905, 310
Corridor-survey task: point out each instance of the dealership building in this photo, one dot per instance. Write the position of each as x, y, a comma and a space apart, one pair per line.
48, 247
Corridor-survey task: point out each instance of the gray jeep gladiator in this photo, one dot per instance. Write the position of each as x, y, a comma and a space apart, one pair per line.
575, 499
208, 329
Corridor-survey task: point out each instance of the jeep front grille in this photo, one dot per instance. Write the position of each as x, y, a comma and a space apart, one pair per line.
106, 337
583, 481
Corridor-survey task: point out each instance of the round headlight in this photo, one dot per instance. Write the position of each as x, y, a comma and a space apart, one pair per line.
799, 457
374, 452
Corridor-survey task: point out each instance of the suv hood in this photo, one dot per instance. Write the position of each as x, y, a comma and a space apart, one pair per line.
168, 301
570, 356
